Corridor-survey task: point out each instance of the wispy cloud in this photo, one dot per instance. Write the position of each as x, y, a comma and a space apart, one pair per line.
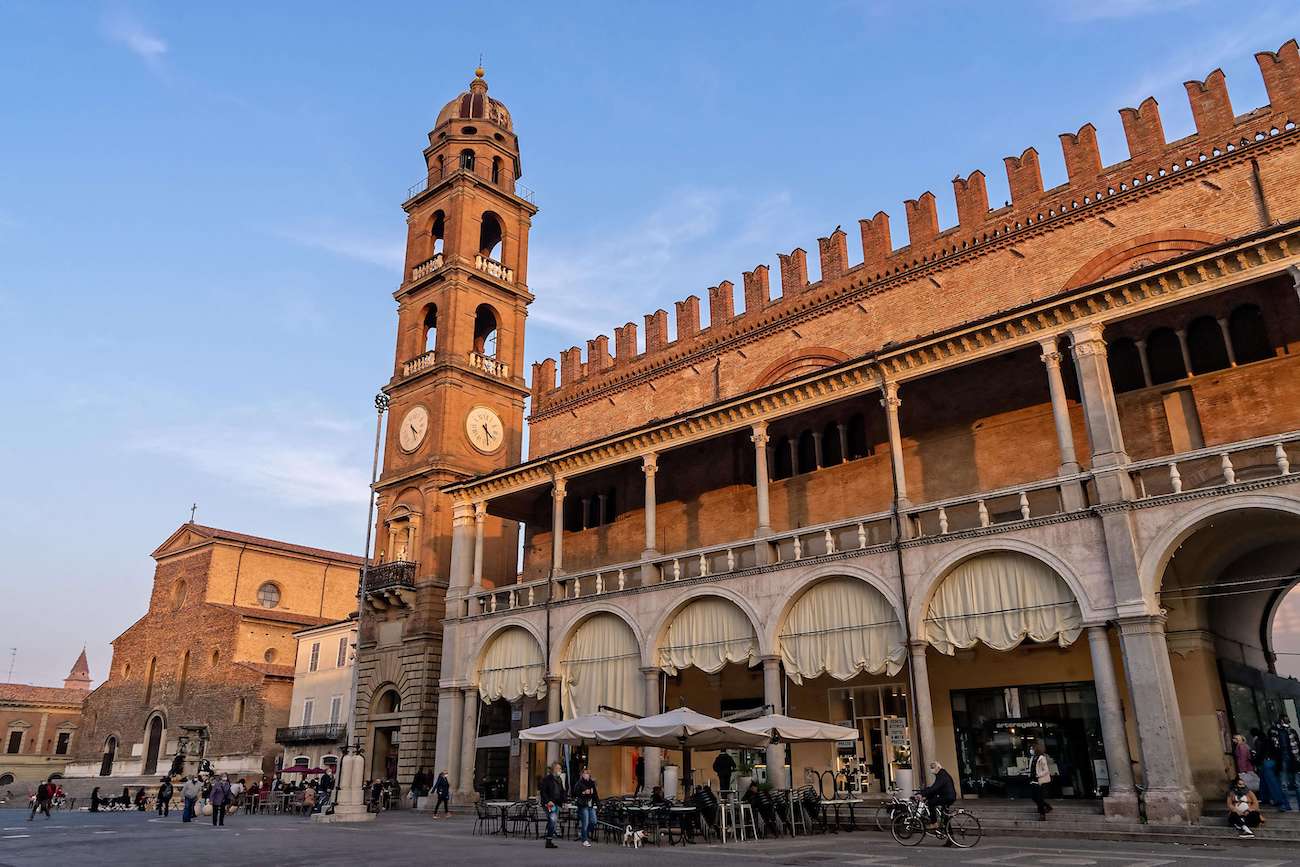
124, 29
374, 249
1102, 10
308, 463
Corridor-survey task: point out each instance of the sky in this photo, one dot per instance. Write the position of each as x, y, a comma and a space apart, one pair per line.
200, 222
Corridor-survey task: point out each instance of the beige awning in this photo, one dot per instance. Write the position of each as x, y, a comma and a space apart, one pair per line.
707, 634
512, 667
602, 665
1001, 599
842, 627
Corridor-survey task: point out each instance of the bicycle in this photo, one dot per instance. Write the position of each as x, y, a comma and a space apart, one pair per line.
954, 827
889, 809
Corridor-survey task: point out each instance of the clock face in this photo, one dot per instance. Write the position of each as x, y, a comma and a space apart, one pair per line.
415, 424
483, 426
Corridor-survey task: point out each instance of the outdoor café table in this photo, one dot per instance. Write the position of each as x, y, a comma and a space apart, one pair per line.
504, 808
683, 815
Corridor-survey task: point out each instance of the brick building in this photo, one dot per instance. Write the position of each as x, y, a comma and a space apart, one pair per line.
40, 726
208, 670
1001, 483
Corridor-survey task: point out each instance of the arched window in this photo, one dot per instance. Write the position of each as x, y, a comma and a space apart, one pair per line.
782, 467
1165, 356
431, 328
858, 446
485, 331
489, 236
832, 449
442, 169
1205, 345
389, 702
178, 595
1125, 365
239, 710
185, 671
807, 453
148, 683
301, 762
110, 751
268, 595
1249, 336
467, 159
438, 231
216, 657
496, 170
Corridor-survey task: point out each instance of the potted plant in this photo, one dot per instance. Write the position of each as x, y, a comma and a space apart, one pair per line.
744, 776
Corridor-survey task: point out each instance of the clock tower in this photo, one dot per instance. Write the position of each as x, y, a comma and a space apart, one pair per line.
457, 408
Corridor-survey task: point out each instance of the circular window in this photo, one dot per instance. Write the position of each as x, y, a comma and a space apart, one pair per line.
468, 130
178, 595
270, 654
6, 779
498, 136
268, 595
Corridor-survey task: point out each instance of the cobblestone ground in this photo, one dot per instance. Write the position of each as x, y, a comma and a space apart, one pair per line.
84, 839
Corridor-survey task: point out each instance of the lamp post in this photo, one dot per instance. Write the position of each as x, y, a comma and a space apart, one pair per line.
351, 803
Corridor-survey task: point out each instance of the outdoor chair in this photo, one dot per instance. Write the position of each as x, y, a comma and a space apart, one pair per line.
765, 807
814, 812
482, 818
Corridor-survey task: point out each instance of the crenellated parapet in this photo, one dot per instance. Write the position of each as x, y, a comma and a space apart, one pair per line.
1091, 184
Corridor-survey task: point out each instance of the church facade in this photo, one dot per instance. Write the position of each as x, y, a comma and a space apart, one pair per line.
1024, 478
207, 673
40, 726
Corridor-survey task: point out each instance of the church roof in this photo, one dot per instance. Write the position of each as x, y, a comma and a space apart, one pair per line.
475, 104
22, 693
80, 668
272, 614
218, 534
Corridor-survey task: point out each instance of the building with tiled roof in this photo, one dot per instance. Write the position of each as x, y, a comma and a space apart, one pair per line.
207, 672
40, 725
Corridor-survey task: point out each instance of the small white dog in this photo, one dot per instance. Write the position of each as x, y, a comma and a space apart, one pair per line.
633, 838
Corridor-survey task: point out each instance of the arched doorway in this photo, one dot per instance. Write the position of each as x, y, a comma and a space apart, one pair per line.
1221, 587
386, 726
110, 750
511, 684
153, 745
601, 666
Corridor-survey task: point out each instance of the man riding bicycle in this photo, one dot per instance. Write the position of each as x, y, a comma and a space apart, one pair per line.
941, 793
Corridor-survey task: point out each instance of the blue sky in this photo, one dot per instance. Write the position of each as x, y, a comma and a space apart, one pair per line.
200, 226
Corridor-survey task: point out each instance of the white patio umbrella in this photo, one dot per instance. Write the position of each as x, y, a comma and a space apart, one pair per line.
780, 728
586, 730
682, 729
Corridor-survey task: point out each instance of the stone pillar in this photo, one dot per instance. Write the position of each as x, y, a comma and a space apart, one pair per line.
844, 441
1145, 361
793, 443
1170, 797
1121, 802
891, 402
817, 449
760, 439
776, 774
455, 724
653, 755
586, 513
480, 518
468, 744
923, 713
1103, 417
462, 545
650, 466
1182, 347
1227, 341
1071, 492
557, 525
553, 714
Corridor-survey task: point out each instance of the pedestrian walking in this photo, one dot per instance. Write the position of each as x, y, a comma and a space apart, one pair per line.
552, 797
165, 791
1266, 759
1040, 776
1243, 809
220, 798
585, 798
41, 802
190, 791
442, 788
1288, 747
326, 792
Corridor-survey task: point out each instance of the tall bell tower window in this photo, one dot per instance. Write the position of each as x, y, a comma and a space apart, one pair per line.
485, 331
438, 231
467, 159
496, 170
431, 328
489, 236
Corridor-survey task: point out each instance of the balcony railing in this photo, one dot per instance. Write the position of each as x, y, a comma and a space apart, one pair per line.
417, 364
489, 365
493, 268
1216, 467
1003, 506
388, 576
331, 733
503, 182
424, 269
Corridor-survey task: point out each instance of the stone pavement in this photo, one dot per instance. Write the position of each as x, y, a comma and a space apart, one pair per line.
83, 840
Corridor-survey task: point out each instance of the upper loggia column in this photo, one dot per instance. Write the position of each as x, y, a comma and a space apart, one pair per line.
462, 546
653, 756
776, 775
649, 467
1227, 341
1071, 492
891, 402
923, 725
480, 518
557, 525
1101, 412
1122, 799
760, 440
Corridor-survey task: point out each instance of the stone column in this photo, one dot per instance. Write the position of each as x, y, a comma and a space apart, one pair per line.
468, 743
1146, 362
1182, 347
480, 518
923, 721
1103, 417
1170, 797
891, 402
817, 450
793, 443
650, 466
557, 525
1071, 492
760, 439
844, 441
553, 714
1121, 802
455, 718
776, 775
462, 545
1227, 341
653, 755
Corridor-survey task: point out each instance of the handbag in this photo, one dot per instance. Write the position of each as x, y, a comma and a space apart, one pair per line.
1251, 779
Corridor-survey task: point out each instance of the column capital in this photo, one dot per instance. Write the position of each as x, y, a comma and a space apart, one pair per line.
552, 681
470, 692
650, 463
480, 511
917, 646
759, 436
770, 659
560, 484
1050, 356
1087, 339
889, 395
462, 512
650, 671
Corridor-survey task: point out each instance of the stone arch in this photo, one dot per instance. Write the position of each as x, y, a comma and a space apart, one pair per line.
484, 642
1137, 252
920, 601
797, 363
660, 630
566, 634
822, 573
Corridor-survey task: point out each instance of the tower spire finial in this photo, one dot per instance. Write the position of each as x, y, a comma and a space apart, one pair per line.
478, 70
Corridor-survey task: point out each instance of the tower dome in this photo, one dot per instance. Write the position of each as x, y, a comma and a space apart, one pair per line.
475, 104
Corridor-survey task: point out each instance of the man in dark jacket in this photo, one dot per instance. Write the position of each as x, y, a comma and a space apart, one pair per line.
941, 793
442, 788
724, 765
553, 797
165, 791
44, 794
